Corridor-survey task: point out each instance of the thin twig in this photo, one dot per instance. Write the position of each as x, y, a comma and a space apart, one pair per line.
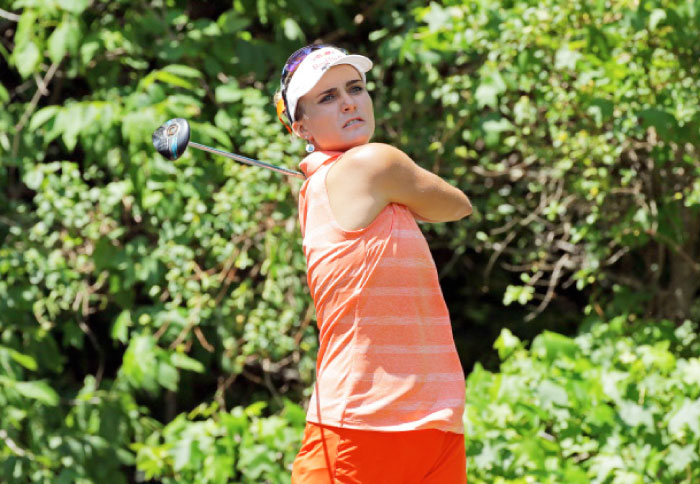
305, 322
494, 257
221, 387
9, 15
202, 340
13, 446
228, 274
550, 290
194, 317
32, 106
40, 84
164, 327
268, 381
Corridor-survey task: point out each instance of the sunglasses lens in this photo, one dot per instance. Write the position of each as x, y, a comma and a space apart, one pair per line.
294, 61
298, 56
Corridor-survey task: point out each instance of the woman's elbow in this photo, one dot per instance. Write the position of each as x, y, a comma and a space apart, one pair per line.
467, 211
464, 210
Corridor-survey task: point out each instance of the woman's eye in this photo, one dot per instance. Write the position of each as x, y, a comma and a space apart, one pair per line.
326, 98
356, 89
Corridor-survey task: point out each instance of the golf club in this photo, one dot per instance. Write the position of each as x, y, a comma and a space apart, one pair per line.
172, 139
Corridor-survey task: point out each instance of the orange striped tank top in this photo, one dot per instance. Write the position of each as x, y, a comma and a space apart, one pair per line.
387, 359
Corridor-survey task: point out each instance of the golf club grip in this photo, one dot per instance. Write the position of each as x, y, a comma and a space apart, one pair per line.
246, 160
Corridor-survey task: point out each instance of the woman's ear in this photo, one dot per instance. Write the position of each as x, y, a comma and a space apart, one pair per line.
299, 129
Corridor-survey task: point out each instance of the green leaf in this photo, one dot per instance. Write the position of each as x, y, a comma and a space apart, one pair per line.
292, 31
167, 376
228, 93
64, 39
486, 95
679, 458
232, 22
38, 390
206, 129
58, 42
553, 393
27, 58
294, 413
183, 71
657, 15
26, 27
493, 129
73, 6
566, 58
635, 415
33, 178
491, 86
181, 360
521, 294
120, 328
25, 360
182, 452
170, 78
664, 123
72, 124
437, 17
255, 409
88, 49
601, 110
42, 116
4, 95
554, 345
688, 415
506, 343
255, 461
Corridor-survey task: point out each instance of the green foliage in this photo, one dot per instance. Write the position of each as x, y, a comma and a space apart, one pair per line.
127, 278
574, 126
209, 446
618, 404
133, 289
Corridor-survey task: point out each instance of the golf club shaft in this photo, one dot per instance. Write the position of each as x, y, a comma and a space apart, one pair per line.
246, 160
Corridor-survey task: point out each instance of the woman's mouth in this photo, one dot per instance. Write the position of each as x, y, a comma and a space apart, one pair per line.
352, 122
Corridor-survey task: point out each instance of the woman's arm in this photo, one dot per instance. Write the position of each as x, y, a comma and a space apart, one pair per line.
369, 177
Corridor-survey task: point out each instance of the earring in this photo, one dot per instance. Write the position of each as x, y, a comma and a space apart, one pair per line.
309, 147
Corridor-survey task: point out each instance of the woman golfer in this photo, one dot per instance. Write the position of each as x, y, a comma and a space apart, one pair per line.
389, 394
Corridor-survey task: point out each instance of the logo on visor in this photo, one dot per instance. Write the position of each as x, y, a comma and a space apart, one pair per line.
322, 60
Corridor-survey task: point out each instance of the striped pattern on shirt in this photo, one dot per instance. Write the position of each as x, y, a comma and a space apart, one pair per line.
387, 359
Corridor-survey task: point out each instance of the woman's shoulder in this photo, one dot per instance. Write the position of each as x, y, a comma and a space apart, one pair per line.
370, 158
372, 151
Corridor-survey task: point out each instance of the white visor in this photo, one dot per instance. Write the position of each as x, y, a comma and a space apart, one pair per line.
312, 69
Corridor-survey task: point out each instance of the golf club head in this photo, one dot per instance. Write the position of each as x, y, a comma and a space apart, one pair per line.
170, 140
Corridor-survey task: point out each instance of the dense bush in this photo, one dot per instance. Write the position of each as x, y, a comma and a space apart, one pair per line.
575, 126
618, 404
209, 446
147, 307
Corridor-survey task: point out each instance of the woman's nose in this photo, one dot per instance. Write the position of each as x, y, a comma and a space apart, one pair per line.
348, 103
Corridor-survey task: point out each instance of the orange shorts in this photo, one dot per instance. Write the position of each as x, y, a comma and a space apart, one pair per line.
332, 455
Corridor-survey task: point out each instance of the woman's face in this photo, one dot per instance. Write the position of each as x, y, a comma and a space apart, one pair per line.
337, 112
